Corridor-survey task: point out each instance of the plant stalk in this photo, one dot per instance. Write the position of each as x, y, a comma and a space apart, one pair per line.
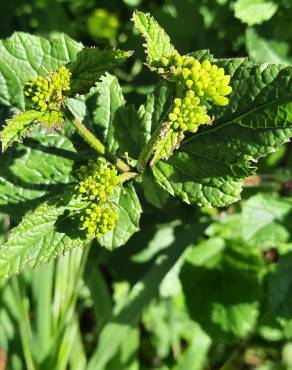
96, 144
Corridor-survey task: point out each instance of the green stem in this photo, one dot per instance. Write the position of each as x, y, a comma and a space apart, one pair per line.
147, 151
88, 137
96, 144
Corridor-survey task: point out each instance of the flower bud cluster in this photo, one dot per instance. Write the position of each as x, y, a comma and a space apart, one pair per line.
207, 80
188, 113
46, 93
98, 219
97, 180
97, 183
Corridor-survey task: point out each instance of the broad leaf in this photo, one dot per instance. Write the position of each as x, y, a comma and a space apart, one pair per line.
91, 63
129, 210
127, 314
109, 99
132, 136
44, 164
98, 109
232, 281
153, 192
281, 288
49, 231
255, 11
23, 56
210, 167
18, 126
158, 43
263, 216
263, 50
157, 105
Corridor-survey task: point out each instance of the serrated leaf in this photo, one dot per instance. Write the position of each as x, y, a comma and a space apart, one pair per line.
99, 109
157, 105
210, 167
23, 56
44, 164
109, 100
167, 142
158, 43
44, 234
129, 210
255, 11
18, 127
91, 63
231, 307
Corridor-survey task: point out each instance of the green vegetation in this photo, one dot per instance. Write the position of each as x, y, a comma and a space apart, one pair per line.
145, 210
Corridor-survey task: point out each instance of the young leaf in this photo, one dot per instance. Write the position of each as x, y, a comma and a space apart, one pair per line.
129, 210
91, 63
18, 126
134, 127
99, 109
109, 98
44, 234
158, 43
23, 56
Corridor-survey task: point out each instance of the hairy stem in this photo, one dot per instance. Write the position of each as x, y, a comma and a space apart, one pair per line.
147, 152
96, 144
88, 137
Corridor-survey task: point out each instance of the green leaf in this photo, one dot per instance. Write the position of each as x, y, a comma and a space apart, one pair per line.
126, 315
196, 355
153, 192
91, 63
43, 164
99, 109
263, 50
158, 43
157, 105
18, 126
210, 166
44, 234
262, 212
4, 221
231, 307
254, 11
129, 216
281, 288
133, 130
23, 56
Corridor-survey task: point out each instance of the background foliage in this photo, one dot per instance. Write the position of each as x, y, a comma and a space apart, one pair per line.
198, 288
